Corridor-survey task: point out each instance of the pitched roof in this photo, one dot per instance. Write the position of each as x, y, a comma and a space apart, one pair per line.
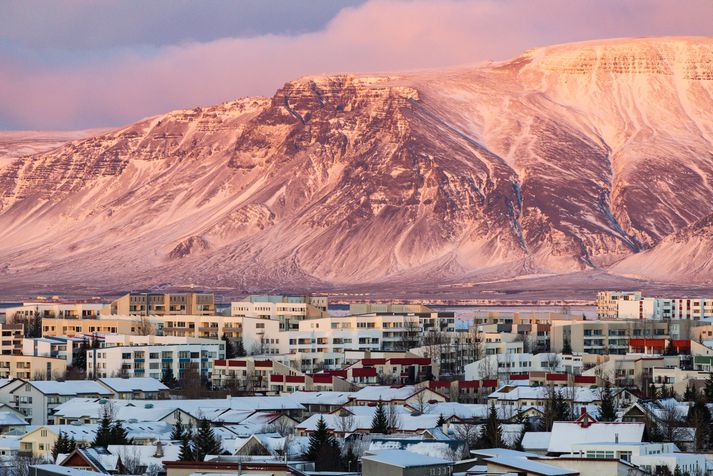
404, 459
70, 387
568, 433
385, 393
529, 466
133, 384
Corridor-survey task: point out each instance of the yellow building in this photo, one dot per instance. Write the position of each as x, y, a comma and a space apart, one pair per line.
159, 304
52, 327
31, 367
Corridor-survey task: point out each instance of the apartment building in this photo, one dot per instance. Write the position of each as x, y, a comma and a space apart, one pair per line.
632, 305
430, 320
603, 337
628, 371
406, 370
30, 367
286, 309
608, 302
162, 304
503, 366
155, 358
56, 347
11, 336
37, 400
55, 327
70, 310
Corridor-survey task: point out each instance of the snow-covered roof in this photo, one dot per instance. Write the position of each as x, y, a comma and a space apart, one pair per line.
212, 409
513, 393
321, 398
435, 449
64, 470
464, 411
536, 440
385, 393
404, 459
11, 419
146, 453
8, 442
568, 433
86, 432
133, 384
365, 410
362, 423
529, 466
69, 387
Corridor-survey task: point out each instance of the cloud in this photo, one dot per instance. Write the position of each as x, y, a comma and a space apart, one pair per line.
129, 83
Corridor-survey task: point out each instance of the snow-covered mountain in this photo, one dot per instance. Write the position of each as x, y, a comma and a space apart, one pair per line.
595, 155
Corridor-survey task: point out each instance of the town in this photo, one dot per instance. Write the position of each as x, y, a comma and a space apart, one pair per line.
178, 384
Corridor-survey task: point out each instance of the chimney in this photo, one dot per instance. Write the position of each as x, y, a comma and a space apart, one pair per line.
444, 428
159, 450
582, 411
616, 438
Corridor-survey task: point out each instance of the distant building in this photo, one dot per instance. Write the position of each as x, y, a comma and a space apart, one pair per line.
160, 304
155, 359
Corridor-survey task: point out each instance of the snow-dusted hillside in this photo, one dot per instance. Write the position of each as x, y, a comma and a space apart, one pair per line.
571, 157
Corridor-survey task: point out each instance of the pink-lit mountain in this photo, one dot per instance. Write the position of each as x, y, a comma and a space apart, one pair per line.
593, 155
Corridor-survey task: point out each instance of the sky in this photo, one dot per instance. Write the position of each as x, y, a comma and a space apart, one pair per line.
76, 64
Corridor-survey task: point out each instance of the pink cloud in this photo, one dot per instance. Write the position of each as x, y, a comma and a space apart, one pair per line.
378, 36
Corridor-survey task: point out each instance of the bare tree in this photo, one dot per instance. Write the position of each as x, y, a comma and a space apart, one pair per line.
421, 404
392, 417
22, 465
346, 424
468, 433
144, 326
281, 426
671, 422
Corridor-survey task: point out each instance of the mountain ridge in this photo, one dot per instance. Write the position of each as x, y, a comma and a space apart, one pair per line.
563, 159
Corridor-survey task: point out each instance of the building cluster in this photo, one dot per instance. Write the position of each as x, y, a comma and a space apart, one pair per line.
177, 384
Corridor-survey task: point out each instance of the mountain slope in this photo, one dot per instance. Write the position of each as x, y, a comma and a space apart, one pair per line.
565, 158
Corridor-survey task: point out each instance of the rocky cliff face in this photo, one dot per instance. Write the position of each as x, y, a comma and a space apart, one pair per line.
572, 157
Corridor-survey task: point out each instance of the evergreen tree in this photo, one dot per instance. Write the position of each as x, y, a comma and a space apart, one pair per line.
441, 421
185, 453
229, 349
652, 431
323, 448
118, 435
607, 410
492, 433
670, 349
709, 388
350, 461
380, 423
699, 417
239, 348
566, 347
205, 442
690, 395
103, 436
178, 429
63, 445
168, 379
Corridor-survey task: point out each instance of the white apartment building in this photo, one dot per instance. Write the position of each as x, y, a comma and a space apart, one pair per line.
154, 357
608, 302
58, 347
504, 365
289, 310
647, 456
632, 305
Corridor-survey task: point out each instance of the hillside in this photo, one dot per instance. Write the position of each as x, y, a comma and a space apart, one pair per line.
592, 156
